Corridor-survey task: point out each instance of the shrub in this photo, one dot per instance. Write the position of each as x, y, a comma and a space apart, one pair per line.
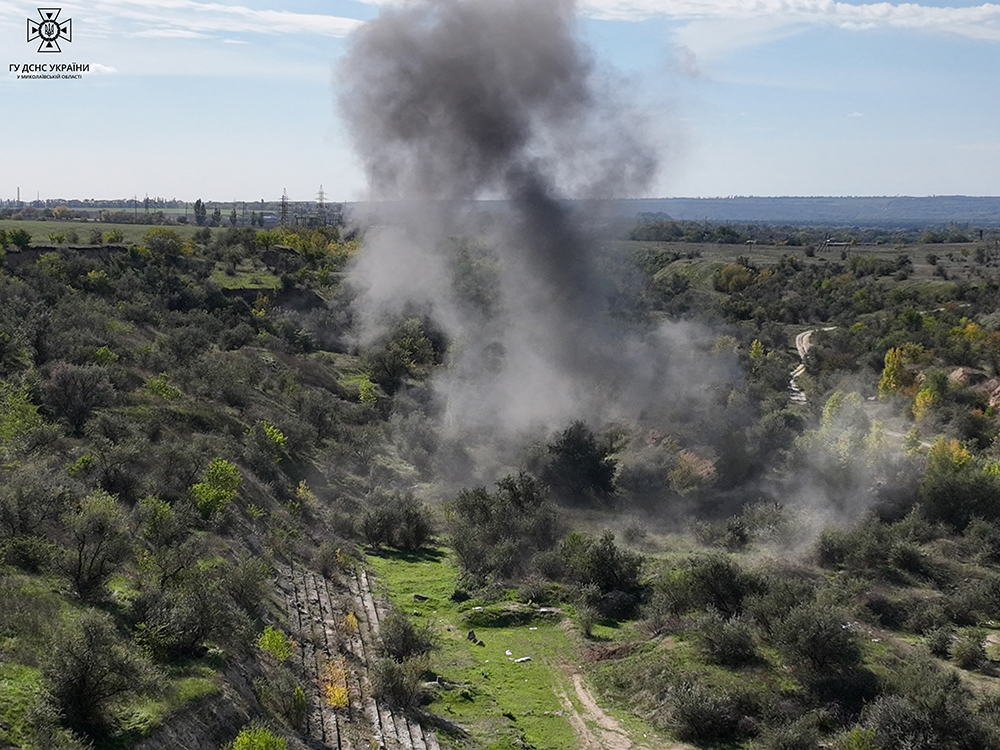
400, 522
498, 534
611, 572
19, 238
579, 464
91, 669
726, 642
398, 684
701, 715
802, 734
258, 738
401, 639
29, 553
219, 485
715, 581
73, 392
819, 637
968, 650
275, 644
939, 641
100, 541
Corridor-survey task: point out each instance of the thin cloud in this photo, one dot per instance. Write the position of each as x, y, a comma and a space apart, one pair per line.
179, 17
978, 22
856, 114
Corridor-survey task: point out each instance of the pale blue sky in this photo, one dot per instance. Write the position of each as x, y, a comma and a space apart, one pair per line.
224, 100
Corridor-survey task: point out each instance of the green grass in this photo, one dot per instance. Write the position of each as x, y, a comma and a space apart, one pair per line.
503, 704
247, 276
18, 686
39, 230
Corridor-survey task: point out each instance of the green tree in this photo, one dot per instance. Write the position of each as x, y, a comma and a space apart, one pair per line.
579, 464
91, 669
163, 242
200, 213
100, 541
219, 485
20, 238
498, 534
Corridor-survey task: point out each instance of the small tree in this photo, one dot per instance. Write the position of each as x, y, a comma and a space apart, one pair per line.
100, 541
219, 485
579, 464
90, 669
819, 637
200, 212
20, 238
73, 392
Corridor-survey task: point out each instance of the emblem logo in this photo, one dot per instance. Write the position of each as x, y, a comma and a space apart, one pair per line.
50, 30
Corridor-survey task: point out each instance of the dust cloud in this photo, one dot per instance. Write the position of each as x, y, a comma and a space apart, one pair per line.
450, 102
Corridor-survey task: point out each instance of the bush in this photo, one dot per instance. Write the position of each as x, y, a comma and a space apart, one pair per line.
401, 522
968, 650
579, 464
726, 642
19, 238
401, 639
716, 582
701, 715
819, 637
802, 734
99, 543
939, 641
498, 534
91, 669
257, 738
29, 553
73, 392
611, 572
275, 644
219, 485
398, 684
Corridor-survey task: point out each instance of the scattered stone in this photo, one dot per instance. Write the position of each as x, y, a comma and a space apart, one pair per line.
479, 642
420, 598
472, 635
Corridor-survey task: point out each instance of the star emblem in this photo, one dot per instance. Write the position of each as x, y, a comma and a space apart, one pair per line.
50, 29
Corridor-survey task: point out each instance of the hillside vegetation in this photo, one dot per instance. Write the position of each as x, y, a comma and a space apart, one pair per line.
185, 414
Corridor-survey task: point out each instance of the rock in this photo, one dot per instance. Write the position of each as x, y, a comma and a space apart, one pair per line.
420, 598
472, 635
480, 643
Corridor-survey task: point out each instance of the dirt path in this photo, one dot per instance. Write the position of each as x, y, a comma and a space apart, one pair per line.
336, 627
802, 343
595, 729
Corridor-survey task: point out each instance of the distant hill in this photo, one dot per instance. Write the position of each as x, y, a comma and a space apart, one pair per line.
878, 211
831, 211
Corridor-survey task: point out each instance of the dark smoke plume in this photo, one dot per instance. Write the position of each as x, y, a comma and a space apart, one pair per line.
450, 101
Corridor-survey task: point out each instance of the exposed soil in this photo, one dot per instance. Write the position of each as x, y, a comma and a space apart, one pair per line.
594, 728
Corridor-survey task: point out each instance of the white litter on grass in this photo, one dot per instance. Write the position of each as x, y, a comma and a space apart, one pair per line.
508, 652
532, 628
522, 659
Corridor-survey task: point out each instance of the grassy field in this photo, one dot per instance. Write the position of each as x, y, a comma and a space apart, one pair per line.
40, 230
542, 703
